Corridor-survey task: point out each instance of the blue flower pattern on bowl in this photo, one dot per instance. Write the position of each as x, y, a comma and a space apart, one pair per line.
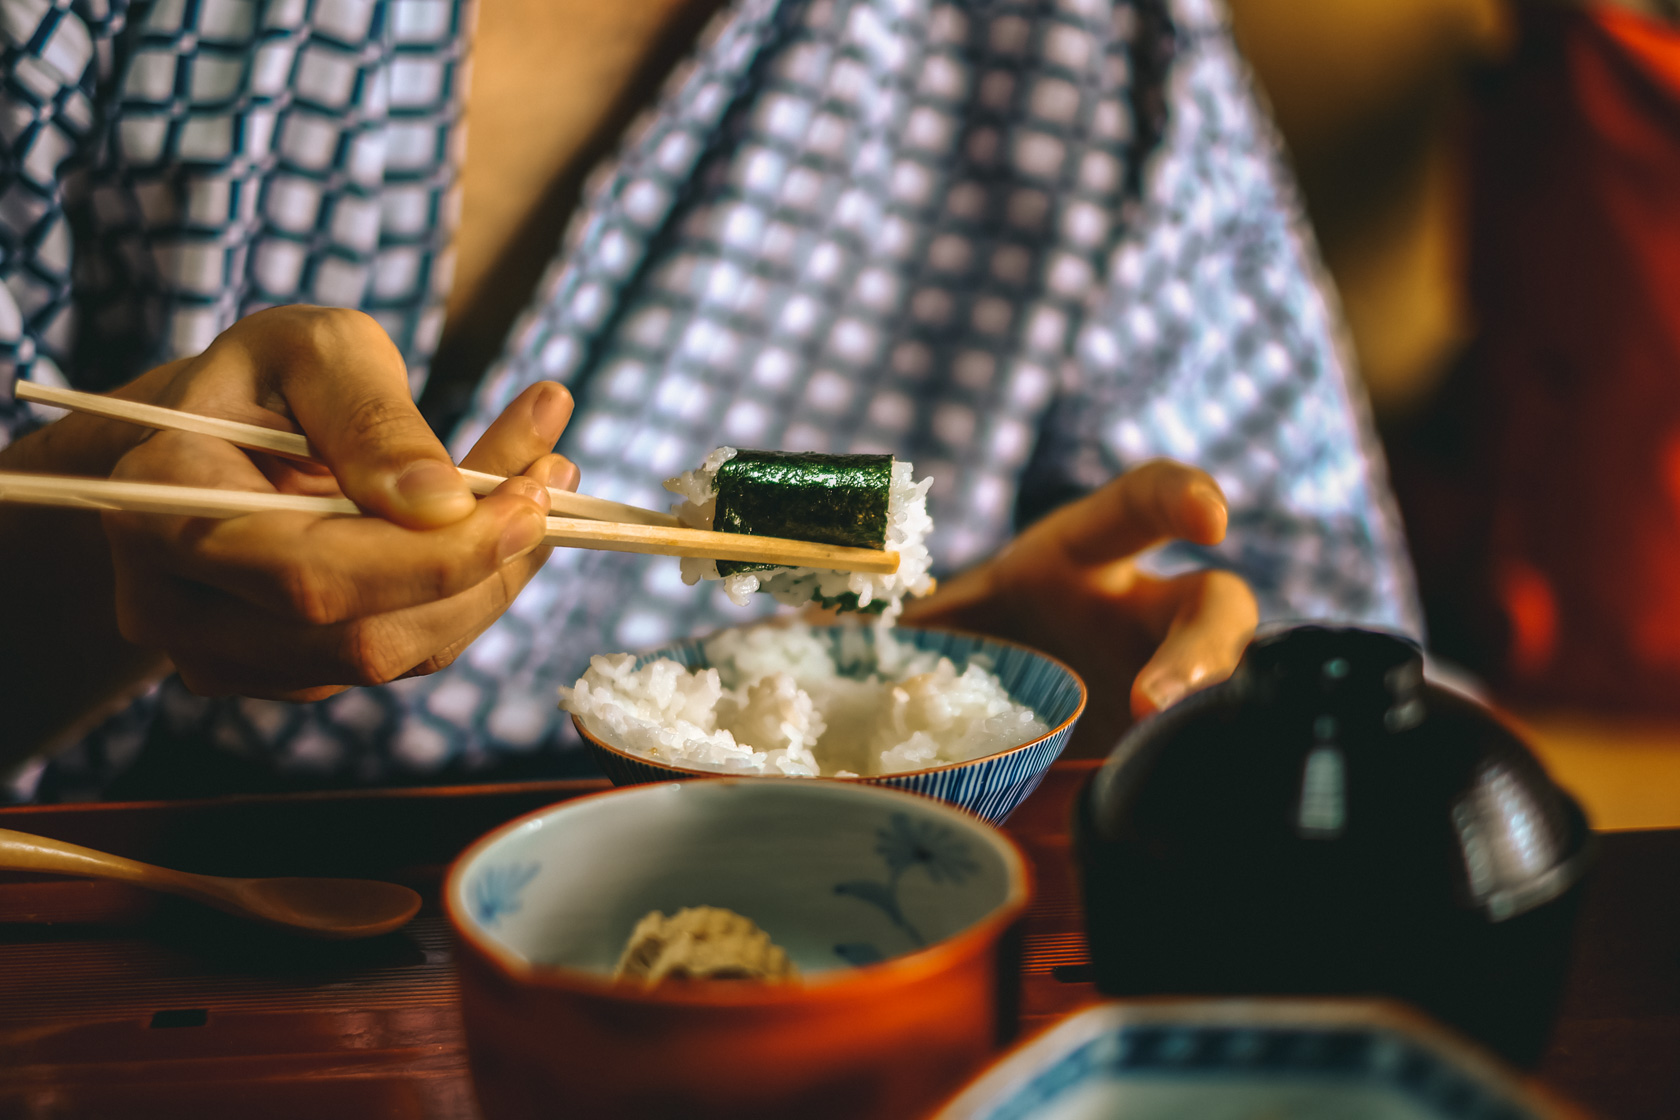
905, 844
496, 891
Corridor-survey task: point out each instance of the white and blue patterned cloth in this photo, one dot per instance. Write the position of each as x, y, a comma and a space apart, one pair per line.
1025, 245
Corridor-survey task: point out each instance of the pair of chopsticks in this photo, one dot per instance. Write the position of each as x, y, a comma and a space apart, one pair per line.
592, 523
290, 445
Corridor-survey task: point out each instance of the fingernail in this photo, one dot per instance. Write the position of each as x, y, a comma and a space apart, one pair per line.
435, 489
1207, 492
521, 535
550, 412
1163, 692
563, 474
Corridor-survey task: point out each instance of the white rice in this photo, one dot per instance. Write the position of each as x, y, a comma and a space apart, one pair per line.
908, 525
777, 702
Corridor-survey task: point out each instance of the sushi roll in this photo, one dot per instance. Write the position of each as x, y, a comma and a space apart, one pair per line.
861, 501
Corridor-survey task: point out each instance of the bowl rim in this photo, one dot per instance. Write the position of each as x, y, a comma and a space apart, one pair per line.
833, 985
859, 779
1013, 1068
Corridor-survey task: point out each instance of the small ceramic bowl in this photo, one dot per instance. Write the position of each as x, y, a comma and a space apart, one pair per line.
990, 787
1250, 1058
893, 907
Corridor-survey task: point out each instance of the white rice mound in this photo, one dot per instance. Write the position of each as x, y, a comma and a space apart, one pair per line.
908, 526
777, 702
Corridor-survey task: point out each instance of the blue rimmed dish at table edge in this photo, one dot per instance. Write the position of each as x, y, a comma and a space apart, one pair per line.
1244, 1059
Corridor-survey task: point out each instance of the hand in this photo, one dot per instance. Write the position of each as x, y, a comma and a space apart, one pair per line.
296, 607
1070, 586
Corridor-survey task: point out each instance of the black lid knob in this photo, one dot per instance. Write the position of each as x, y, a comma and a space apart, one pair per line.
1337, 677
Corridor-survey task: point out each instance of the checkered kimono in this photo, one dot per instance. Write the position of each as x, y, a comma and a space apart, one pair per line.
1025, 245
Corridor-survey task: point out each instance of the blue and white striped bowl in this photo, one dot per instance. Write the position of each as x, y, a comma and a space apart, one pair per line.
989, 787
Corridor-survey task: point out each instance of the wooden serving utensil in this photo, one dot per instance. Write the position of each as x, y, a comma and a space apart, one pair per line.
334, 909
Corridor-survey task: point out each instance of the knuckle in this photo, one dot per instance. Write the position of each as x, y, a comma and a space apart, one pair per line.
440, 660
504, 588
312, 596
369, 654
306, 335
526, 490
341, 330
1160, 480
438, 578
374, 419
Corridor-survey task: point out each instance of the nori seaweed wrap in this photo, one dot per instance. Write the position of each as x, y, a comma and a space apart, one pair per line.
857, 501
831, 499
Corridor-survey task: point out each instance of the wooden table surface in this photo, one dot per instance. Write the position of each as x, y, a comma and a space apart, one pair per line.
117, 1004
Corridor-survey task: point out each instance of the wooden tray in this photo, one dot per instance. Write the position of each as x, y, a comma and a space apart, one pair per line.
115, 1003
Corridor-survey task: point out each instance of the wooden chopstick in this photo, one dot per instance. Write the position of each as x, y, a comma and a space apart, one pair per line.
661, 541
570, 532
290, 445
157, 497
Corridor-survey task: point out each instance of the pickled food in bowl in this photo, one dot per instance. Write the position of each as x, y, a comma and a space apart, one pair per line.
702, 943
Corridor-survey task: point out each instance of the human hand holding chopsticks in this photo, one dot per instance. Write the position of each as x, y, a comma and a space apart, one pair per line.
301, 601
298, 607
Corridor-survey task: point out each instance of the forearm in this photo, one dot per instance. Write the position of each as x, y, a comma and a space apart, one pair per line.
68, 663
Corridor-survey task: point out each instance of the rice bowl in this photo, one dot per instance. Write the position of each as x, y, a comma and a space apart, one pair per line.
990, 785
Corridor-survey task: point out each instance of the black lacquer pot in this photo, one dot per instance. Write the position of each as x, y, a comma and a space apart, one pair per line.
1327, 822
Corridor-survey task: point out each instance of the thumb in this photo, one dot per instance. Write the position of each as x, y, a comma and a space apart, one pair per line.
347, 388
1214, 616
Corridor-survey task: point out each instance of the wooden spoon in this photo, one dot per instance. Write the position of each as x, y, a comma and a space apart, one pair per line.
337, 909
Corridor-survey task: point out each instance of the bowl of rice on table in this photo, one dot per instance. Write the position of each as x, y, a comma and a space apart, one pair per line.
967, 719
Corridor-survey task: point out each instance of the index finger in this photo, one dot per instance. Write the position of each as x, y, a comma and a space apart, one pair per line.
1148, 505
330, 570
320, 570
347, 387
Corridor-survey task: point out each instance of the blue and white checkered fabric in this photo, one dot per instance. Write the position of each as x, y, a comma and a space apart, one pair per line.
1025, 245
